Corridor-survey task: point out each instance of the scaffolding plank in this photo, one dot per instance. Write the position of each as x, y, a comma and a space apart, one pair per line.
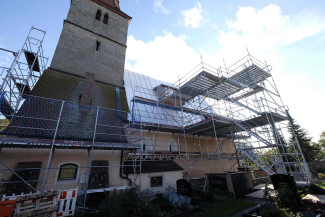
14, 142
206, 126
20, 87
255, 90
264, 119
215, 87
31, 57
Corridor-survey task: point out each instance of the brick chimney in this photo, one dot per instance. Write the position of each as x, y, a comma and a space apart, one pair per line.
87, 89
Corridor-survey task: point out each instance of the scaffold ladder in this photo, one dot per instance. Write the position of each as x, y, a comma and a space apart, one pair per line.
24, 72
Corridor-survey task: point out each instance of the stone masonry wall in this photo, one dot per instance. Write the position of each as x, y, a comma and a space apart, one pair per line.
76, 51
83, 12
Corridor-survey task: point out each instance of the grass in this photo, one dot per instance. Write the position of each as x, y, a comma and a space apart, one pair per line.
321, 176
226, 210
321, 184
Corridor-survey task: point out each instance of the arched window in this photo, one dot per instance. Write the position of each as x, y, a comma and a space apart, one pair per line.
98, 15
147, 144
173, 146
68, 172
105, 20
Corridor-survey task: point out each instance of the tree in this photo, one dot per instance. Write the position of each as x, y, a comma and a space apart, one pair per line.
309, 150
321, 141
321, 146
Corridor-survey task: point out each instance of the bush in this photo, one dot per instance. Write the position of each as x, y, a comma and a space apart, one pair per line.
267, 195
272, 213
178, 201
163, 202
127, 203
285, 198
216, 195
308, 213
210, 197
134, 203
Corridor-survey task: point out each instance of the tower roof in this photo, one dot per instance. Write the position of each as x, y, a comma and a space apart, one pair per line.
113, 5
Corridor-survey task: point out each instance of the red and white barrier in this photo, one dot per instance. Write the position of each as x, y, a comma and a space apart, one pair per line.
67, 202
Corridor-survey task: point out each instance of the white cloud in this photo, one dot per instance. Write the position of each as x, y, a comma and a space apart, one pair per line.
193, 17
5, 58
264, 32
159, 7
163, 58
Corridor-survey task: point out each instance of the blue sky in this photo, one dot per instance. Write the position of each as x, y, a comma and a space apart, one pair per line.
167, 37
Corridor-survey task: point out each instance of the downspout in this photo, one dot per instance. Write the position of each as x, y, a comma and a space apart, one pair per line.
121, 170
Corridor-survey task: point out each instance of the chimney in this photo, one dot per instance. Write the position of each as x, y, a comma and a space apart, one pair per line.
87, 89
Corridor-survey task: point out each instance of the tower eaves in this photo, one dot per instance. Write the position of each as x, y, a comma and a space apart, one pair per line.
114, 6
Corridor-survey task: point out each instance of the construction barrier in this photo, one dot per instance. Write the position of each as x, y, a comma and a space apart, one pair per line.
7, 207
51, 203
67, 202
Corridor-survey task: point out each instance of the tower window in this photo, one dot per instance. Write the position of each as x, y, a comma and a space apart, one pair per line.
68, 171
98, 15
97, 45
105, 18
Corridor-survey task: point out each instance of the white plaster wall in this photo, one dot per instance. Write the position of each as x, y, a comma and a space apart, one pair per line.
169, 180
12, 156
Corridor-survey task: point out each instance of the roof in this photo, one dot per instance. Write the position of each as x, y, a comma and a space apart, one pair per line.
39, 112
142, 87
152, 166
111, 5
157, 115
56, 85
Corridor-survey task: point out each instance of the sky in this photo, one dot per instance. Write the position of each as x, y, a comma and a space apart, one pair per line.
166, 39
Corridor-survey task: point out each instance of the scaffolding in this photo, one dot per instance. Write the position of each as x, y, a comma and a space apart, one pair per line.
210, 120
240, 103
22, 75
36, 123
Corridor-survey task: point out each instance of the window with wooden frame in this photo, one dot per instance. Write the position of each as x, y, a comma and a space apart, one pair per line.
68, 172
156, 181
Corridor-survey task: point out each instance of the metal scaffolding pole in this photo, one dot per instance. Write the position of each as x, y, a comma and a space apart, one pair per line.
89, 160
51, 154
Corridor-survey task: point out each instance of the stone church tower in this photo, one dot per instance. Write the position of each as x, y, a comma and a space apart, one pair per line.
93, 40
88, 64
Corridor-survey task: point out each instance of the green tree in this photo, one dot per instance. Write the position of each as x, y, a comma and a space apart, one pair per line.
321, 146
309, 150
321, 141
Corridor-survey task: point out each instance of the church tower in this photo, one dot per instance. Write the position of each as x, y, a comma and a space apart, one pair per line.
93, 42
88, 64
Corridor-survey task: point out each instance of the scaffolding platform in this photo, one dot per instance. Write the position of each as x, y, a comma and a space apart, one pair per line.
12, 142
173, 107
239, 102
222, 128
220, 87
264, 119
206, 126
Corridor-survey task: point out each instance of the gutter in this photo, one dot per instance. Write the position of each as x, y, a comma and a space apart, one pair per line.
121, 170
